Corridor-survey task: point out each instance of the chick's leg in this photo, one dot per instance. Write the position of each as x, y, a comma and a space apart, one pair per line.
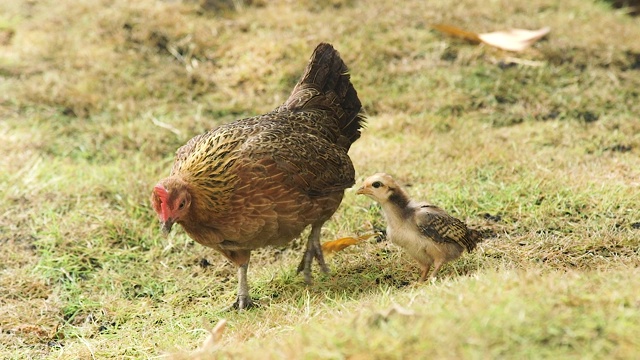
436, 267
314, 250
425, 272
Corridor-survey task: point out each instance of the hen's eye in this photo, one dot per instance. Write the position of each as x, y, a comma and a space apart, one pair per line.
376, 184
182, 204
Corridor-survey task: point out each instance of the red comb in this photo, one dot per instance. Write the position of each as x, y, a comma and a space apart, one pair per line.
163, 195
161, 191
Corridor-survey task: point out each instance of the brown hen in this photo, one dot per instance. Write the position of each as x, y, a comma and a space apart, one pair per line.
261, 181
428, 233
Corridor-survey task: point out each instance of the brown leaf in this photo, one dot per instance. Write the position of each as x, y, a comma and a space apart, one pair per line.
6, 35
214, 336
511, 40
29, 330
331, 247
395, 310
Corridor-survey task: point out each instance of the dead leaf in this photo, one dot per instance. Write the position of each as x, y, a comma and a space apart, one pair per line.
209, 345
524, 62
394, 310
6, 35
208, 348
331, 247
457, 32
514, 39
215, 335
511, 40
33, 330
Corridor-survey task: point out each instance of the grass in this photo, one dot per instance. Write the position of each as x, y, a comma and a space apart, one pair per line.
96, 96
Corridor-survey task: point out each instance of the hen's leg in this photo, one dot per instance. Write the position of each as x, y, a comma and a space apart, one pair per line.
243, 300
314, 250
241, 259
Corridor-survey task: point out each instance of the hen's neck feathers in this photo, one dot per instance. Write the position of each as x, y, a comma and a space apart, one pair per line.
206, 169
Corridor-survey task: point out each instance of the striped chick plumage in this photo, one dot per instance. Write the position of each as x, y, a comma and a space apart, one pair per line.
425, 231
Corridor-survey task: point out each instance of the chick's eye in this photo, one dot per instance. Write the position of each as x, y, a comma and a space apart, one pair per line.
376, 184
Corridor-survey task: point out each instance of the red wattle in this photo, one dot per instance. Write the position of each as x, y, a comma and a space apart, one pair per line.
165, 211
163, 195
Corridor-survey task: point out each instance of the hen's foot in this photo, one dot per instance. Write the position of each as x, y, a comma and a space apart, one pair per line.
243, 303
307, 260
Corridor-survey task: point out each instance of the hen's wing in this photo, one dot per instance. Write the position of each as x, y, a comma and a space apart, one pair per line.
436, 224
312, 163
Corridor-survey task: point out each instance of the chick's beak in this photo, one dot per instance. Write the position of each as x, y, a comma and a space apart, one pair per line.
362, 191
166, 226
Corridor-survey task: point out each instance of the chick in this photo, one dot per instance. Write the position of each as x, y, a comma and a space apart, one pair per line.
426, 232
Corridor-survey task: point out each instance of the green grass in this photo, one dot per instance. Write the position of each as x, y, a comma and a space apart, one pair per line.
95, 97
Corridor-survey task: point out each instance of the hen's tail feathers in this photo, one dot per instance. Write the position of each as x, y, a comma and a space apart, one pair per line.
325, 85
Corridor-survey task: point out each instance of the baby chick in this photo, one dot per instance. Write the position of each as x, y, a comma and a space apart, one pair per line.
428, 233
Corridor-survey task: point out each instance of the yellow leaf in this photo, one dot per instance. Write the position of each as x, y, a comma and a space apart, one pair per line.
331, 247
457, 32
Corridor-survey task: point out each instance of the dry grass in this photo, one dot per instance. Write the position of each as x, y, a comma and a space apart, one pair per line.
96, 96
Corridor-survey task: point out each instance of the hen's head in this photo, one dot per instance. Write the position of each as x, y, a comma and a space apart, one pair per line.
171, 200
379, 187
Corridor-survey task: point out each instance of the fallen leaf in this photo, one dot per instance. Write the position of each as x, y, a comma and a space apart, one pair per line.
6, 35
331, 247
214, 336
512, 60
511, 40
28, 329
514, 39
457, 32
394, 310
209, 345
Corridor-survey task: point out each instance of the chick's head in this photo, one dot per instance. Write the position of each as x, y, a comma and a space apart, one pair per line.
379, 187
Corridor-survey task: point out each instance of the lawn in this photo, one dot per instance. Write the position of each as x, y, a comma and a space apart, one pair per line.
540, 150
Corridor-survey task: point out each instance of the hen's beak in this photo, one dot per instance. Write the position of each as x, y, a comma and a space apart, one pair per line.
362, 191
166, 226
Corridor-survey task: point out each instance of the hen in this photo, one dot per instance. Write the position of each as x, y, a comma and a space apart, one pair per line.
428, 233
261, 181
